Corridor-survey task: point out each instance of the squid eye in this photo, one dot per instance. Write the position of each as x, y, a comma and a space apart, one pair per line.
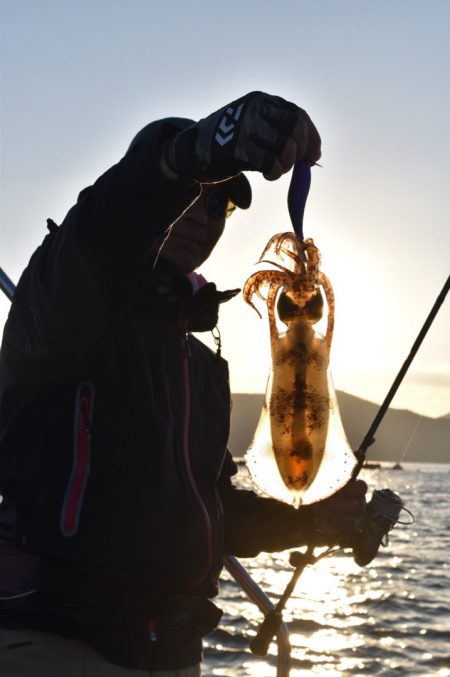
314, 307
289, 310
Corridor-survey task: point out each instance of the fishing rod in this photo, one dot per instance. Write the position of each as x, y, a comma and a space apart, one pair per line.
369, 439
6, 285
383, 510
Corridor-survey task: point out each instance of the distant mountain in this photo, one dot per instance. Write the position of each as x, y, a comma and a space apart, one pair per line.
430, 443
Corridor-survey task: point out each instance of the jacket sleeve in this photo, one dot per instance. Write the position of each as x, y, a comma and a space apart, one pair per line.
255, 524
101, 256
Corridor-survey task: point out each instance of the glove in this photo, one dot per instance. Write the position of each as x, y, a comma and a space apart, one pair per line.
338, 519
257, 132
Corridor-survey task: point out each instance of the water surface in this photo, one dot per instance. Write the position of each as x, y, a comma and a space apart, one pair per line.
390, 618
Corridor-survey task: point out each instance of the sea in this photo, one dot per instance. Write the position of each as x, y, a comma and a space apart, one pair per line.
389, 618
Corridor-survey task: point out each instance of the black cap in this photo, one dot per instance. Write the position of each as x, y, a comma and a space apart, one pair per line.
237, 189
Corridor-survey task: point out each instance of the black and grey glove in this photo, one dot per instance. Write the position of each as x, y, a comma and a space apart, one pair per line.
257, 132
337, 520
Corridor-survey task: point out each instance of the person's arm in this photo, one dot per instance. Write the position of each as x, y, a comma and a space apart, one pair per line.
255, 524
101, 256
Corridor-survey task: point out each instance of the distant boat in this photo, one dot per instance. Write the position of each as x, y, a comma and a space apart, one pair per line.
397, 466
371, 466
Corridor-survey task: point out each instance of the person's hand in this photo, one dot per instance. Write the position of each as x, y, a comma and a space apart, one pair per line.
258, 132
338, 518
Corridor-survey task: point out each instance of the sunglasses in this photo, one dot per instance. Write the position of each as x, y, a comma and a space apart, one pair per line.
218, 205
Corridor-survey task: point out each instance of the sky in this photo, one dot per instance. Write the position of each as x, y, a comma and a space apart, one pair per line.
78, 80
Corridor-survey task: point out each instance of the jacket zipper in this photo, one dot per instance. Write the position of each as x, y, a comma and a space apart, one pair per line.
187, 460
73, 499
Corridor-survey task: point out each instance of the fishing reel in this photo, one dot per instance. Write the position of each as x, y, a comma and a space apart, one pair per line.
381, 514
365, 532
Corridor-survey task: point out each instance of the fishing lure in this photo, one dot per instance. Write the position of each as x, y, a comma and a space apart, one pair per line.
299, 452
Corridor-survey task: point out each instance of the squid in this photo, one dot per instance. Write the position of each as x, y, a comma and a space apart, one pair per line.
300, 417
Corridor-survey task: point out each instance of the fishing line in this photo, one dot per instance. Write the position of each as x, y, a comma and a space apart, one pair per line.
409, 442
348, 41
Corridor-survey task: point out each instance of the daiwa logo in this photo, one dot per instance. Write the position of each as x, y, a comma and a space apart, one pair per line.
227, 125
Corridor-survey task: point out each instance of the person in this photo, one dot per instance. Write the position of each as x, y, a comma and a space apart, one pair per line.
118, 501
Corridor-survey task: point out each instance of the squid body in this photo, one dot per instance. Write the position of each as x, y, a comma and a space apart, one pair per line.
299, 453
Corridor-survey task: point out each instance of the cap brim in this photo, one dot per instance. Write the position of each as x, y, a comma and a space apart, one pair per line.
237, 189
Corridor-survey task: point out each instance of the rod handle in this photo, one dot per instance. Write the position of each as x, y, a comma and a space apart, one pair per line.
267, 631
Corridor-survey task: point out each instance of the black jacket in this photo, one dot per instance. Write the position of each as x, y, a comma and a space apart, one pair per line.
114, 418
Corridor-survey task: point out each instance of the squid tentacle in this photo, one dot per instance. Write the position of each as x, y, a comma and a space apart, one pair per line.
271, 298
278, 265
265, 277
329, 295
